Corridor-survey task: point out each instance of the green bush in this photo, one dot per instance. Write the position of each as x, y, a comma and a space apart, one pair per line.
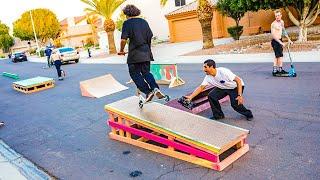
33, 51
235, 32
42, 53
2, 56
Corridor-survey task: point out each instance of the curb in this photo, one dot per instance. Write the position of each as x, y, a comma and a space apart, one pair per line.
24, 168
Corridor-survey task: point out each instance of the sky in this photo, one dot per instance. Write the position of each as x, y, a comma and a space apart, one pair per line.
11, 10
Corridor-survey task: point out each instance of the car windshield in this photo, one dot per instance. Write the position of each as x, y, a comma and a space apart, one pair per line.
18, 54
62, 50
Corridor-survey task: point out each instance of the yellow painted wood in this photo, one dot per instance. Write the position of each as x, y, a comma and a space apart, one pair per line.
165, 151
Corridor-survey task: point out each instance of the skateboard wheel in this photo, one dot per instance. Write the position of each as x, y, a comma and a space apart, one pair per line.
167, 98
140, 104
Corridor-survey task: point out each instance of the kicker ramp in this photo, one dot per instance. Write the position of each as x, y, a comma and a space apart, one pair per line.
101, 86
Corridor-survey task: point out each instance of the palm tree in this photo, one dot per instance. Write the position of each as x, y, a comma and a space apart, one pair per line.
105, 8
205, 15
163, 2
92, 20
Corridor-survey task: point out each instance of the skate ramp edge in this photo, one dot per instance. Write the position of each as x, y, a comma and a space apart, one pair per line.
101, 86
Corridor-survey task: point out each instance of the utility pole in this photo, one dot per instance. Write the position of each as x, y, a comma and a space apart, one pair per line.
34, 32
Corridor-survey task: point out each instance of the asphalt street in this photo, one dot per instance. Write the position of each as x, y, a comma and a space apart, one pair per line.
66, 134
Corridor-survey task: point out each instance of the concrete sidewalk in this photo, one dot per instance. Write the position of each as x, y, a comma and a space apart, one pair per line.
15, 166
308, 56
173, 53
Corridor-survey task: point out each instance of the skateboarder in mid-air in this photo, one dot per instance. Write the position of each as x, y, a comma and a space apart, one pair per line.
277, 31
138, 32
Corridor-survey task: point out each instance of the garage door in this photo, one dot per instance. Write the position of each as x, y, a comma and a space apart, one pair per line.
187, 30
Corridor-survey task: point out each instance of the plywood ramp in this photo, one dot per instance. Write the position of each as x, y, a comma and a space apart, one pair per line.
101, 86
180, 134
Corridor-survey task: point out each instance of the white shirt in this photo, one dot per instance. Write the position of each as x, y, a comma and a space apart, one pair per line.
55, 56
223, 79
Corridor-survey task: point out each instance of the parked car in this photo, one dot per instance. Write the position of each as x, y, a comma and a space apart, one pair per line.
19, 57
69, 54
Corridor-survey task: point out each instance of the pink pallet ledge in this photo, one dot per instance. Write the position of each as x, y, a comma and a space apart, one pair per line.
161, 140
196, 156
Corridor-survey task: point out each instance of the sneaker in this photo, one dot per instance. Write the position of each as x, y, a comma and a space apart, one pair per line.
158, 93
249, 118
283, 72
63, 74
149, 97
275, 73
217, 117
60, 78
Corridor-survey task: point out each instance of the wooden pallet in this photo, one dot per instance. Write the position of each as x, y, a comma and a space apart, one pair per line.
130, 129
123, 129
33, 85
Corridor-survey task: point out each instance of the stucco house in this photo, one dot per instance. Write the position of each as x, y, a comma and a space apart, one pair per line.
75, 31
184, 24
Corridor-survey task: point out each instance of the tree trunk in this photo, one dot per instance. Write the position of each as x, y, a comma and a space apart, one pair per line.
112, 46
206, 33
306, 17
303, 33
205, 15
94, 37
109, 27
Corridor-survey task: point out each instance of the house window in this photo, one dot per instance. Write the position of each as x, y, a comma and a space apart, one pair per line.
180, 2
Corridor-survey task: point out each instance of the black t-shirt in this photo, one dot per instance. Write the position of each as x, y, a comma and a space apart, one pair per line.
138, 32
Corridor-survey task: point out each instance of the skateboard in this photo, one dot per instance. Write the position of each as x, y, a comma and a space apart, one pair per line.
142, 100
196, 101
186, 103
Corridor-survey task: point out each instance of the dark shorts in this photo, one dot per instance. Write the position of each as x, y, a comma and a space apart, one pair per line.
277, 48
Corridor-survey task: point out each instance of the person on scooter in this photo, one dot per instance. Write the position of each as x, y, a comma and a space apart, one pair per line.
277, 31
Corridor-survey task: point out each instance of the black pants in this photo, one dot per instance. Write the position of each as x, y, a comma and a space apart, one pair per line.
277, 48
48, 60
141, 76
216, 94
58, 64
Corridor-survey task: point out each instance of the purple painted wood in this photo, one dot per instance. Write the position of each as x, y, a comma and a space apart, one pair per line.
174, 103
175, 145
